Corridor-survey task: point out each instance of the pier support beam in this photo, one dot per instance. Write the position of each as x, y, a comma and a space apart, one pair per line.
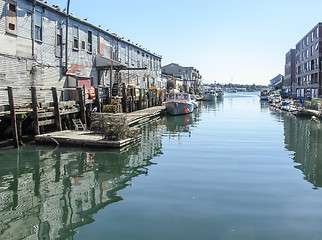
35, 116
56, 109
13, 118
81, 99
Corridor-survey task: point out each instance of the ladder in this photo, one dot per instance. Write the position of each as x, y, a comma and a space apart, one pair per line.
79, 126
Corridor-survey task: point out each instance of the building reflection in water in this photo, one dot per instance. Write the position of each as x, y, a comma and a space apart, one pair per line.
304, 138
46, 194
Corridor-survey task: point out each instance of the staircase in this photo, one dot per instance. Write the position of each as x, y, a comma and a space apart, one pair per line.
79, 126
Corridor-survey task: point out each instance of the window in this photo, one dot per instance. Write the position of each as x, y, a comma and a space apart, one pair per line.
312, 36
138, 58
89, 41
58, 43
127, 54
312, 50
83, 45
38, 25
119, 52
317, 32
12, 17
317, 46
76, 37
132, 56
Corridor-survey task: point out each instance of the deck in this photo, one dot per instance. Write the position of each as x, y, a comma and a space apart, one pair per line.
90, 139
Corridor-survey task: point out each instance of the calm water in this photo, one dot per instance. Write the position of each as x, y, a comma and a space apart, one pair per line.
235, 169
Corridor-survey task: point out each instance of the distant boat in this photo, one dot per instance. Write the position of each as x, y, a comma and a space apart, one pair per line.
179, 103
219, 92
264, 95
209, 95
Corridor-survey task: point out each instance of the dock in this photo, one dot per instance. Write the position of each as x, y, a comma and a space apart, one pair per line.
88, 138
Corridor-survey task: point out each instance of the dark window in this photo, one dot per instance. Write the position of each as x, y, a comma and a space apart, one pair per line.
89, 41
75, 35
12, 7
83, 45
12, 27
38, 26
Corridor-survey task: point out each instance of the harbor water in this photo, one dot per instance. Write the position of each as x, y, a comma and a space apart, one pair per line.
233, 169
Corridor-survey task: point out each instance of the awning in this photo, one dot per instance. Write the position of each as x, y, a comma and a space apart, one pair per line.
106, 63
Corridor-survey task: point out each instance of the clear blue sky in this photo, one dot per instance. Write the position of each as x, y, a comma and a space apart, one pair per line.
228, 41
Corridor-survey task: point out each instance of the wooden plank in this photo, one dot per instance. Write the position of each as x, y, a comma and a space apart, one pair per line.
13, 118
35, 111
67, 103
46, 115
47, 122
82, 105
56, 109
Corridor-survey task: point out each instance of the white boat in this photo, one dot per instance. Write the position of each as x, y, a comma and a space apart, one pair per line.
194, 101
219, 92
179, 103
209, 95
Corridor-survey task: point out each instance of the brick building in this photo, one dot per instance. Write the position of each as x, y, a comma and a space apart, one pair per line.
308, 65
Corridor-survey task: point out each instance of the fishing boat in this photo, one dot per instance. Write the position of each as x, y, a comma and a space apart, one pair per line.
209, 95
179, 103
264, 95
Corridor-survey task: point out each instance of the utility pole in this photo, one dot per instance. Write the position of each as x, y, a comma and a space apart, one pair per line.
66, 44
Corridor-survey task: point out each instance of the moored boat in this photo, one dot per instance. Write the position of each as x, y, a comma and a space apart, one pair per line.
264, 94
179, 103
219, 92
209, 95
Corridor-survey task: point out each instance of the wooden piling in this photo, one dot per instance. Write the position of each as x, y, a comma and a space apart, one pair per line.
35, 116
140, 100
13, 118
82, 105
124, 100
56, 109
97, 99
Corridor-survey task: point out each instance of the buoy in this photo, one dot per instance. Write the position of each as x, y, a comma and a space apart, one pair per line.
186, 119
187, 110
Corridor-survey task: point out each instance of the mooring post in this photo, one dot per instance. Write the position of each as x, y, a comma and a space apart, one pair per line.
56, 109
140, 99
13, 118
108, 95
124, 100
35, 116
82, 104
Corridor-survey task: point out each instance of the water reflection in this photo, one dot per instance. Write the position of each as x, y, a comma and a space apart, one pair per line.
46, 194
304, 138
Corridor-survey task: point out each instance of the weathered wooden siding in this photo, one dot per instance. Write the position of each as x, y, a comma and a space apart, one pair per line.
19, 69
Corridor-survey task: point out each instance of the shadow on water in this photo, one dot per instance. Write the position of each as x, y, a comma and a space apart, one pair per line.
46, 193
304, 138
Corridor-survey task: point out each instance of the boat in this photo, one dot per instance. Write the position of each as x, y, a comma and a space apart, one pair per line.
219, 92
264, 94
194, 101
179, 103
209, 95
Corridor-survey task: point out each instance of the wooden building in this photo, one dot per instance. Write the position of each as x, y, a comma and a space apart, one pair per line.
38, 50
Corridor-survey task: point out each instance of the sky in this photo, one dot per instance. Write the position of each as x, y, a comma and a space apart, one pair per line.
228, 41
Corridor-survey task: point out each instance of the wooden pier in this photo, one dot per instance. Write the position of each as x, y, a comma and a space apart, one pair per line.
91, 139
42, 115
